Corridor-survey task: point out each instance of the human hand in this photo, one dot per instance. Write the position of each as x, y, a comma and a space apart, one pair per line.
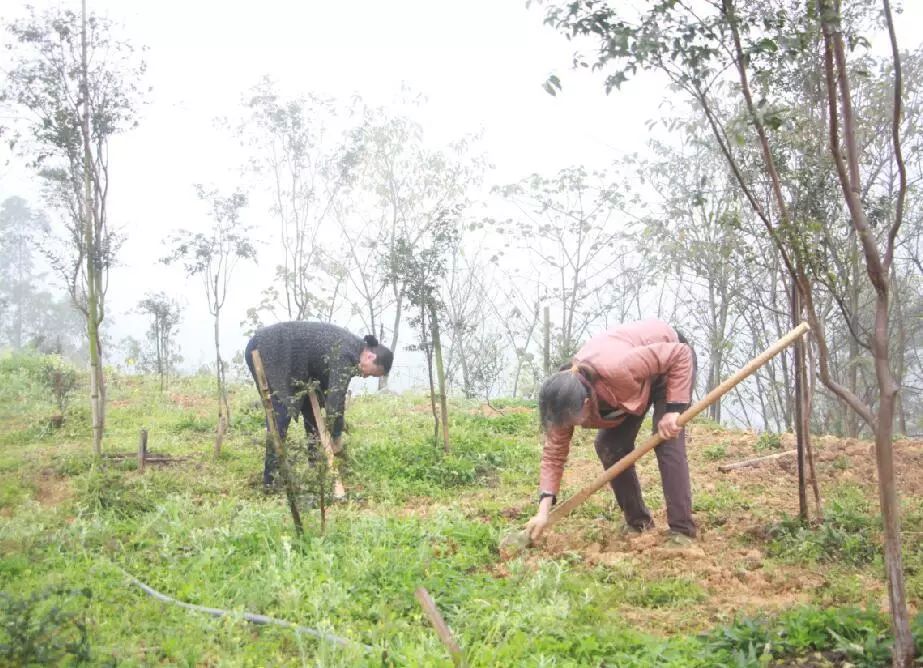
537, 524
668, 427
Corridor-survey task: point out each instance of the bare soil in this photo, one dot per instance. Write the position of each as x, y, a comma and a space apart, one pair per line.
728, 559
52, 489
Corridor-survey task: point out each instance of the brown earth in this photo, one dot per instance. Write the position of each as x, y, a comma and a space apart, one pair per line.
52, 489
729, 557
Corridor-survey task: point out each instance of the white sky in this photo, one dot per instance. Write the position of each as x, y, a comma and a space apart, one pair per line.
481, 64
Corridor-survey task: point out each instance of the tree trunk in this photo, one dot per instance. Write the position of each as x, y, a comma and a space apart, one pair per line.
546, 348
800, 432
810, 385
91, 258
427, 352
161, 350
715, 337
466, 373
383, 380
878, 271
852, 361
516, 373
899, 353
223, 409
440, 374
904, 649
19, 290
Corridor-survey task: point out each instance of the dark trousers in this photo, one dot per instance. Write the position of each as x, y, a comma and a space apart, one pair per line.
613, 444
283, 420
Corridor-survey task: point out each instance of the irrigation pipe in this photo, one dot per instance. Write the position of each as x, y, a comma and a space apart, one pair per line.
249, 616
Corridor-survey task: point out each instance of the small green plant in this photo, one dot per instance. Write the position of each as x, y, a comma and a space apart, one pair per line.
666, 593
847, 535
106, 490
249, 418
841, 463
60, 379
44, 628
32, 385
847, 636
194, 423
768, 441
715, 452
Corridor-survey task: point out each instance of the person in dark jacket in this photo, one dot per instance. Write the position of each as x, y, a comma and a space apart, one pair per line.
299, 355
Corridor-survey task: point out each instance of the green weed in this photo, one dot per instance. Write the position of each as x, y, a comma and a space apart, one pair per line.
848, 534
768, 441
203, 531
111, 491
669, 592
43, 628
715, 452
194, 423
859, 637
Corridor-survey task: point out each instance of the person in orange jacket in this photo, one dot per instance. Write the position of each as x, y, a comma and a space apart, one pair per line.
610, 385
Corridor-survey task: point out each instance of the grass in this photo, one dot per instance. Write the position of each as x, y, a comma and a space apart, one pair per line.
204, 532
848, 535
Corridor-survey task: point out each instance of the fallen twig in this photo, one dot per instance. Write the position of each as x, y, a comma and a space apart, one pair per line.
442, 629
148, 458
756, 460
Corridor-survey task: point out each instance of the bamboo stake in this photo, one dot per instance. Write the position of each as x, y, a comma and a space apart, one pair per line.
339, 492
142, 450
276, 440
524, 539
442, 629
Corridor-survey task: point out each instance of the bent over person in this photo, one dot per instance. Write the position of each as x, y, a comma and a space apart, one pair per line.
609, 385
300, 355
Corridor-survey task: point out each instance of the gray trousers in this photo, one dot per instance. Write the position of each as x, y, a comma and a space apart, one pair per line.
613, 444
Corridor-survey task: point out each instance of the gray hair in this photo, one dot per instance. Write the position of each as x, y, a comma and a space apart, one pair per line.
561, 398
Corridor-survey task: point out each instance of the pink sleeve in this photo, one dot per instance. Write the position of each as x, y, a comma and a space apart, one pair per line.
554, 456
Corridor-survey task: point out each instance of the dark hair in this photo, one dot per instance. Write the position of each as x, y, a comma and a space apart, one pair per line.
384, 358
561, 398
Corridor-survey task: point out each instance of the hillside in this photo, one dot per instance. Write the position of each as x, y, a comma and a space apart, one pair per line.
756, 589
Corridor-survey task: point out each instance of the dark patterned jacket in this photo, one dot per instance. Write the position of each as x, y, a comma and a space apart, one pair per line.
295, 354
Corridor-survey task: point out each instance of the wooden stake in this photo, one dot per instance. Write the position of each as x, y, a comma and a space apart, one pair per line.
277, 442
724, 468
442, 629
142, 449
339, 492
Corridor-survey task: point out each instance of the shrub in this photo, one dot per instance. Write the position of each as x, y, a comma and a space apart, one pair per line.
60, 378
43, 628
30, 382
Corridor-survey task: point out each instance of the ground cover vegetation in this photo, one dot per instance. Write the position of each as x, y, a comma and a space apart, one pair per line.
759, 588
780, 183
